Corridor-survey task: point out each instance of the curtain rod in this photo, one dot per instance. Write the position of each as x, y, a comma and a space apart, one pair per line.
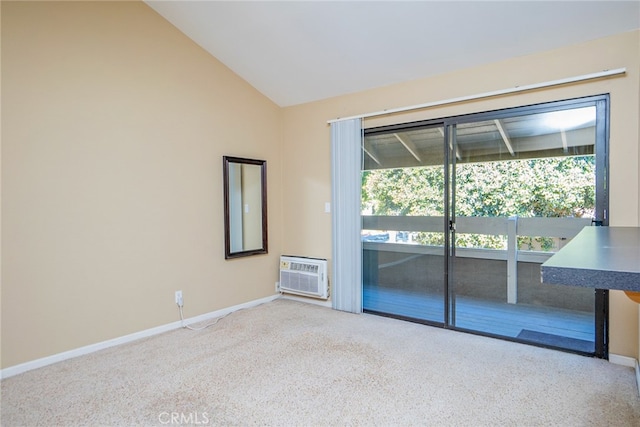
601, 74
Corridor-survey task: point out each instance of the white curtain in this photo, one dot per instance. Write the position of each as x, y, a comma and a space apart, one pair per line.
346, 185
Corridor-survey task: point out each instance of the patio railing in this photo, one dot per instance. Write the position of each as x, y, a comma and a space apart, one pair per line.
563, 229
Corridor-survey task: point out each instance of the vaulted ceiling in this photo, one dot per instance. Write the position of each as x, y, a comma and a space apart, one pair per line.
300, 51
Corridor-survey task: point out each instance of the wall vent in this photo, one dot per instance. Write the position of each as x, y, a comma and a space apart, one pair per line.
304, 276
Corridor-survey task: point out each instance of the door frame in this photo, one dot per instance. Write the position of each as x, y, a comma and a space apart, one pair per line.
602, 214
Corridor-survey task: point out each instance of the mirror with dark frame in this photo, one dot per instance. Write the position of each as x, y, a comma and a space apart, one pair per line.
245, 207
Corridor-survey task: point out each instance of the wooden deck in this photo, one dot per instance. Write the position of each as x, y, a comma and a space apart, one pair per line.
567, 329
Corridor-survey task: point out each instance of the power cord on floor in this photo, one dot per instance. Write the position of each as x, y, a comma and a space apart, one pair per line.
209, 324
202, 327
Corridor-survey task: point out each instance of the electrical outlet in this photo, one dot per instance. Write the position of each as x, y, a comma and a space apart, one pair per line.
277, 287
179, 298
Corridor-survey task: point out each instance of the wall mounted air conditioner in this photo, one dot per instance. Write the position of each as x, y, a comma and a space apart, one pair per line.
304, 276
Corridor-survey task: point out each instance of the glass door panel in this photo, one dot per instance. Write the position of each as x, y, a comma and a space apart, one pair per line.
403, 223
522, 187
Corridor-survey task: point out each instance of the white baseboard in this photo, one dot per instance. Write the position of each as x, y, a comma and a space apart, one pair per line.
627, 361
324, 303
49, 360
622, 360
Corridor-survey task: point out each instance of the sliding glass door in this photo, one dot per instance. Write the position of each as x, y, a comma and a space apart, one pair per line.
524, 185
403, 218
459, 215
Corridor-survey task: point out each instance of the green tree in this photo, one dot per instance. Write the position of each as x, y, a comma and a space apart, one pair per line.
547, 187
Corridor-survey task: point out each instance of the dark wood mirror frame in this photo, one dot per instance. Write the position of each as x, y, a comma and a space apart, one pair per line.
229, 227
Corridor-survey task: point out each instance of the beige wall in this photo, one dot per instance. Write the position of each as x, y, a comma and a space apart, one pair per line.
306, 153
114, 125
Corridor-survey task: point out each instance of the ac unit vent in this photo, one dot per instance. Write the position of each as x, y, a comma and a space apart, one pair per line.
304, 276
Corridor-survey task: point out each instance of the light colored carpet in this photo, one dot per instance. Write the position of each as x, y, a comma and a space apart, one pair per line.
289, 363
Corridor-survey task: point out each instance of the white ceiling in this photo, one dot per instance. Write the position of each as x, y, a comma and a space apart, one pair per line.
300, 51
